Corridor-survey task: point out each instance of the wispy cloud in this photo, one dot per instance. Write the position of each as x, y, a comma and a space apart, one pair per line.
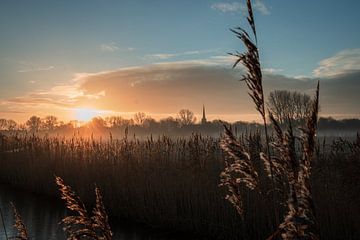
188, 83
301, 77
60, 96
110, 47
113, 47
10, 111
36, 69
236, 7
343, 62
163, 56
261, 7
273, 70
228, 7
223, 60
216, 60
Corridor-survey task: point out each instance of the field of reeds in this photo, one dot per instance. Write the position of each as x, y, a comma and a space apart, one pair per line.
173, 184
284, 183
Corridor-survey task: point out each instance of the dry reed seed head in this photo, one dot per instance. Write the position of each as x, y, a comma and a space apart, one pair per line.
94, 227
250, 60
234, 195
19, 225
100, 216
239, 169
250, 18
308, 137
241, 164
299, 222
73, 202
273, 166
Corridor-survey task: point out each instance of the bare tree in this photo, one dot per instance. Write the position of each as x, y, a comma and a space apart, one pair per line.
118, 121
9, 125
97, 122
33, 123
290, 106
139, 118
3, 124
114, 121
50, 122
186, 117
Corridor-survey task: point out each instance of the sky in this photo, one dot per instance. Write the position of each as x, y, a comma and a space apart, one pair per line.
119, 57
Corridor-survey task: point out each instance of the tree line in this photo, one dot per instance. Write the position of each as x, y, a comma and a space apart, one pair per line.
185, 117
288, 107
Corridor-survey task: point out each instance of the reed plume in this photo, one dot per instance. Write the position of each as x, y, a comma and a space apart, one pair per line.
299, 222
284, 165
19, 225
100, 217
82, 225
250, 59
239, 169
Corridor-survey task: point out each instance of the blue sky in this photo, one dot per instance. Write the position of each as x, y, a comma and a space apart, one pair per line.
45, 43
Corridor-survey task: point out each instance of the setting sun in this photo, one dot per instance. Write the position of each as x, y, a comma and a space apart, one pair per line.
86, 114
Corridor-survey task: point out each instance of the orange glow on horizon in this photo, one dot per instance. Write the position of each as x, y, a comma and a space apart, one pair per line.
86, 114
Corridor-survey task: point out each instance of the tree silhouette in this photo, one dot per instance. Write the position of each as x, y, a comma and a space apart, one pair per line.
97, 122
33, 123
139, 118
9, 125
290, 106
50, 122
2, 124
186, 117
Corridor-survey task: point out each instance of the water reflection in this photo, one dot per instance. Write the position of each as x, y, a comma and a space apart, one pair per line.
42, 215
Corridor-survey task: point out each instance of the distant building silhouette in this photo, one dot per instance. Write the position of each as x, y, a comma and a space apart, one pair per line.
203, 120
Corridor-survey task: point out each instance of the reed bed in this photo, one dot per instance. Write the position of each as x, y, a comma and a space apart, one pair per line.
173, 184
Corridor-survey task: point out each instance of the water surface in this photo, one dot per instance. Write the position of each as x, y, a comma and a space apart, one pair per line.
42, 215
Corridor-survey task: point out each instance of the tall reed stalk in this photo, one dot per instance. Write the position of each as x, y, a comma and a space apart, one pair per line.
284, 164
250, 59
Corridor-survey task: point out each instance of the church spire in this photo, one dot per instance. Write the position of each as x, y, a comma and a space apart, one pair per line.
203, 120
